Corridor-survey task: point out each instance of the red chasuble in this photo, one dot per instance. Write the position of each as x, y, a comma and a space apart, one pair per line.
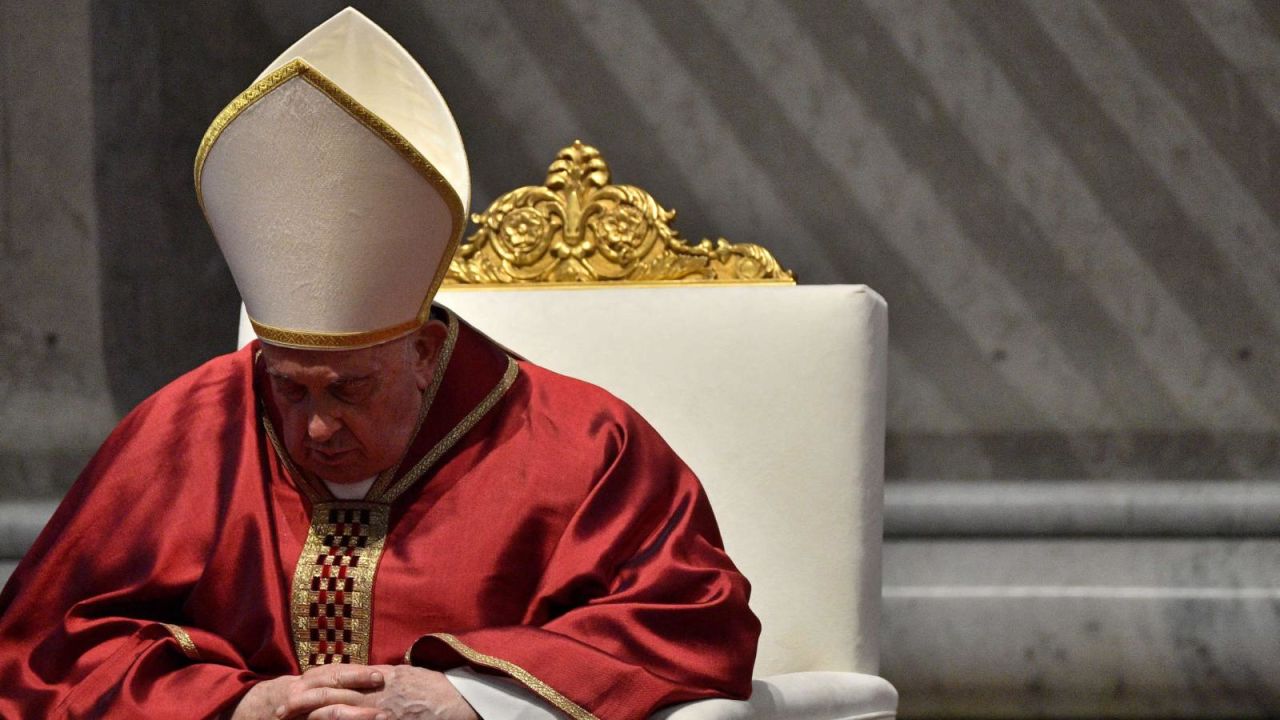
538, 528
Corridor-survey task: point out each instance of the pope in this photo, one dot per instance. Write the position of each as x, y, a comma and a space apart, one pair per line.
372, 511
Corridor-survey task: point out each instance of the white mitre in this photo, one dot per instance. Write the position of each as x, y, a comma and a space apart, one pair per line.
337, 188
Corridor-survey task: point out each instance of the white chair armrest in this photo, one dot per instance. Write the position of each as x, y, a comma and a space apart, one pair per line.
799, 696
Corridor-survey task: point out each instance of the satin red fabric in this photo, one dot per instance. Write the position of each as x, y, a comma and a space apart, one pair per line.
560, 535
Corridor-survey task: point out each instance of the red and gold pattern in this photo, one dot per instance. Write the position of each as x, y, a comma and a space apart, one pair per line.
333, 583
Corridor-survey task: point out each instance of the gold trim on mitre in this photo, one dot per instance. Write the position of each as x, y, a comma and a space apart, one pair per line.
299, 68
306, 340
579, 229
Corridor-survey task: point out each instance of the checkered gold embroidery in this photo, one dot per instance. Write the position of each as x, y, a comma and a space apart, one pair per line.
333, 583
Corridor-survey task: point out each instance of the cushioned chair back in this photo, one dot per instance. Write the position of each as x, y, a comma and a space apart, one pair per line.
774, 395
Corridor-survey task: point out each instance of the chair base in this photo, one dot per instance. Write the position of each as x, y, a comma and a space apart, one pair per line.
799, 696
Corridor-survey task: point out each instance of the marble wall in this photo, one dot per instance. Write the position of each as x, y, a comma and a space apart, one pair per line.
1070, 208
1083, 599
55, 403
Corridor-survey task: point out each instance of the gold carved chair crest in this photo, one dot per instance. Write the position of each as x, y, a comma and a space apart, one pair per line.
578, 227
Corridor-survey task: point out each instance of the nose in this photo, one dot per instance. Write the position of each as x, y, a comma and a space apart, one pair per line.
321, 426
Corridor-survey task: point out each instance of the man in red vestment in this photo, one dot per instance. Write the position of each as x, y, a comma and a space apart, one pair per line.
374, 511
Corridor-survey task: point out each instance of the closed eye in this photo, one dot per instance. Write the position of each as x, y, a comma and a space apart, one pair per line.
288, 389
351, 391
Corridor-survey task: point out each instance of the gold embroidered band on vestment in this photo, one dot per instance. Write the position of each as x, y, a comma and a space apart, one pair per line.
185, 642
333, 583
447, 442
524, 677
377, 490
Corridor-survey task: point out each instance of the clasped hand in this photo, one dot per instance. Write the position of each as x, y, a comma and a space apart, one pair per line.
356, 692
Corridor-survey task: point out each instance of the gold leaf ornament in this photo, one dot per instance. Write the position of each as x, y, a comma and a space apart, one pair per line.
580, 228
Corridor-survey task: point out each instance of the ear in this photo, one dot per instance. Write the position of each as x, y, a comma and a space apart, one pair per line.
424, 349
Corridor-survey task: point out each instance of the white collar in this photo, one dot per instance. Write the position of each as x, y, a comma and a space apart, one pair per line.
350, 491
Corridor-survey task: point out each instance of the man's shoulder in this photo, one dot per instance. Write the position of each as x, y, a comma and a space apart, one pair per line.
190, 425
571, 395
224, 382
596, 435
223, 378
572, 404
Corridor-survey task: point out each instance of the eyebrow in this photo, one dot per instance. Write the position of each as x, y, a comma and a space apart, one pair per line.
340, 380
351, 379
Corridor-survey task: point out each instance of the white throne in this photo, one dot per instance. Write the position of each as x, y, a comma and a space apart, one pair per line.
773, 393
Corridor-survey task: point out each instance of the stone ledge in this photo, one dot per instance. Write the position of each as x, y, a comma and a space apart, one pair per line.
981, 508
1072, 628
1082, 508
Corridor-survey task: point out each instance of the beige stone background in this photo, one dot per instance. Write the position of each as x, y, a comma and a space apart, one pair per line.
1069, 206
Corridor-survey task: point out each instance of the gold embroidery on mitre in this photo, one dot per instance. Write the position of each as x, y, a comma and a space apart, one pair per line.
184, 640
524, 677
307, 340
580, 228
332, 603
301, 69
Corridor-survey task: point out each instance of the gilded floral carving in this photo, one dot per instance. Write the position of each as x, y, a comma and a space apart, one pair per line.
578, 227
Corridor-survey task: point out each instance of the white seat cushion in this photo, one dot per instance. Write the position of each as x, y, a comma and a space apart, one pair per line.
799, 696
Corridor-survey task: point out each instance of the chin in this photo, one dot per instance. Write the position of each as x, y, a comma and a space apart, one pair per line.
339, 473
340, 479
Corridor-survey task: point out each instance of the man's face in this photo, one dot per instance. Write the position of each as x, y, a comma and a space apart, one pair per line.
348, 415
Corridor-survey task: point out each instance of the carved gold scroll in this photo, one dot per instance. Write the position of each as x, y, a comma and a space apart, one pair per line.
579, 228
